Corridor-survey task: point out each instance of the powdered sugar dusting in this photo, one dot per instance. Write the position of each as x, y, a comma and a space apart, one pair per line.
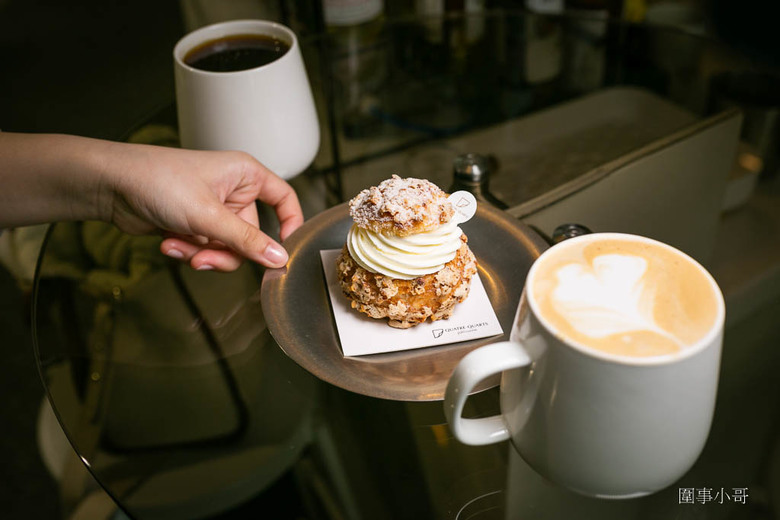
401, 206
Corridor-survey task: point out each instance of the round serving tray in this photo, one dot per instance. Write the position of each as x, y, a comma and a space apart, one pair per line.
297, 309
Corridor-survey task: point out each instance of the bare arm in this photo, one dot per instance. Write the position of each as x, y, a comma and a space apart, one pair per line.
44, 178
203, 202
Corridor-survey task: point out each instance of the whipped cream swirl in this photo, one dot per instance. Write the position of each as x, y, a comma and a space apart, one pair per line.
404, 258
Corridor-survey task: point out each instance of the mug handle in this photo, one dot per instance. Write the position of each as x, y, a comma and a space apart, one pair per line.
476, 366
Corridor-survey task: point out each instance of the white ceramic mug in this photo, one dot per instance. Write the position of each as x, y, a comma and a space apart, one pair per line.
598, 423
266, 111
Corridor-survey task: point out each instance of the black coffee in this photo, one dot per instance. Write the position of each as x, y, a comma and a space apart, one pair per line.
237, 52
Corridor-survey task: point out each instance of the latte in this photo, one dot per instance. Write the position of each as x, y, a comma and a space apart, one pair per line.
624, 295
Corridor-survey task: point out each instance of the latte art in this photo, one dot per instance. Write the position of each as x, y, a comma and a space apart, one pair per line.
625, 297
611, 298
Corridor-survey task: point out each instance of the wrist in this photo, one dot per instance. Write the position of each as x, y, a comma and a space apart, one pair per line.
99, 183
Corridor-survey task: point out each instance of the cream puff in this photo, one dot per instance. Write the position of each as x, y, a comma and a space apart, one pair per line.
405, 259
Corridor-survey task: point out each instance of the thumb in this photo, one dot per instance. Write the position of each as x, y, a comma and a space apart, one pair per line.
244, 238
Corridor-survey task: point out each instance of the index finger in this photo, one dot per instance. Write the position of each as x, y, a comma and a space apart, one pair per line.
276, 192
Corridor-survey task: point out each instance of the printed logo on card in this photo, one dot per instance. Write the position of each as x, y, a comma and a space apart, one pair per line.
471, 328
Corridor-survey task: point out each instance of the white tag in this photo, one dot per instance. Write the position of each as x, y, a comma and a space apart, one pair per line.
464, 204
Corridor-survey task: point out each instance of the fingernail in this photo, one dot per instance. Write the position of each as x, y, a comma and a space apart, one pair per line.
175, 253
275, 254
205, 267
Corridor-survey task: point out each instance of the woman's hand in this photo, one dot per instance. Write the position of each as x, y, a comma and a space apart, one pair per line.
203, 203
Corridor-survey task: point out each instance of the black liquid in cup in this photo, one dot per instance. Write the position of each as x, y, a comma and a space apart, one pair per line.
236, 52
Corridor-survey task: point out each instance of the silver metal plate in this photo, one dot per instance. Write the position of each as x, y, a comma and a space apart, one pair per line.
297, 309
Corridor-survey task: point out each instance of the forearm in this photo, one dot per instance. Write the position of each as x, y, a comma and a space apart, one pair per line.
48, 177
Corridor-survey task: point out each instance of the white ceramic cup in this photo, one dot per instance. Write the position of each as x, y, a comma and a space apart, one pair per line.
600, 424
266, 111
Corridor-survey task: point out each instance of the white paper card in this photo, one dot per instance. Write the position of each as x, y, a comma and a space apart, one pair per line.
360, 335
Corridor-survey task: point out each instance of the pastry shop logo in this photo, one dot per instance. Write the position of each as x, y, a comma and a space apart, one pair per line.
462, 329
464, 204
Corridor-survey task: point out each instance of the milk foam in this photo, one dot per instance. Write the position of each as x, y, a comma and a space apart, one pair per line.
404, 258
609, 297
624, 295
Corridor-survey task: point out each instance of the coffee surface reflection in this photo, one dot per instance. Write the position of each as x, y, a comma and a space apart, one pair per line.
236, 52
